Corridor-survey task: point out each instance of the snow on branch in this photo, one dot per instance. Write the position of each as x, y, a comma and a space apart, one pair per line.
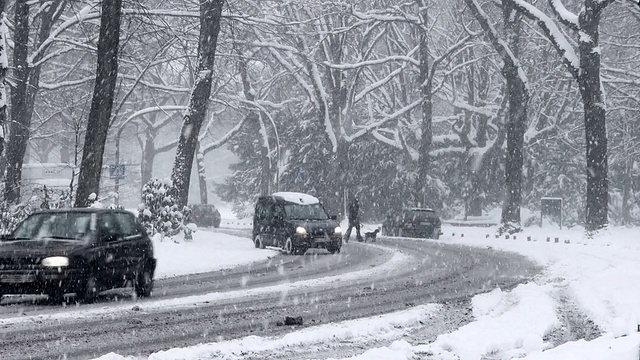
553, 33
150, 110
489, 110
501, 47
362, 64
564, 16
368, 128
85, 14
395, 142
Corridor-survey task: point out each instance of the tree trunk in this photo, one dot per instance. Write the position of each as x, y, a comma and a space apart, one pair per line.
202, 177
4, 66
425, 196
516, 121
627, 184
148, 155
594, 122
19, 127
101, 103
210, 14
24, 92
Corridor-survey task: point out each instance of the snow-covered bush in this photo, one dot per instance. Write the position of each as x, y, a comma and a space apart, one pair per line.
159, 212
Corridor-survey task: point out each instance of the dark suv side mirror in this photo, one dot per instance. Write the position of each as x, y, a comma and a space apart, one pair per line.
333, 217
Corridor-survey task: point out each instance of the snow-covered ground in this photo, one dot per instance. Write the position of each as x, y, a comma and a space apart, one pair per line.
595, 278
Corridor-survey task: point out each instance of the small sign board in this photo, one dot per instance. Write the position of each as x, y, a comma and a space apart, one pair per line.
116, 171
299, 178
551, 212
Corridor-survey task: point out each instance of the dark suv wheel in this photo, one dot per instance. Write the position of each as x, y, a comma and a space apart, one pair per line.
144, 284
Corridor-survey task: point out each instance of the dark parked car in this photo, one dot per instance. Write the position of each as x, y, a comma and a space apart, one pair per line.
205, 215
415, 222
295, 222
81, 251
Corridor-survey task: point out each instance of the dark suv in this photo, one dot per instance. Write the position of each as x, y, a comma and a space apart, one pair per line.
295, 222
81, 251
205, 215
414, 222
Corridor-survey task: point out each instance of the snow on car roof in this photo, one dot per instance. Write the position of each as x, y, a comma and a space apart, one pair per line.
421, 209
297, 198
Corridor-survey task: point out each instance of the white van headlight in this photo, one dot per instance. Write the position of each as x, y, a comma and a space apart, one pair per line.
55, 261
301, 231
337, 230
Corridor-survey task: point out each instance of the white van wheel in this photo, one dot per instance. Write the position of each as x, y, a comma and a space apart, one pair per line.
258, 242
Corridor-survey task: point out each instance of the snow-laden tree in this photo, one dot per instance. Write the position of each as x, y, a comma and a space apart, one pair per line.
584, 65
210, 18
102, 102
508, 47
26, 75
159, 211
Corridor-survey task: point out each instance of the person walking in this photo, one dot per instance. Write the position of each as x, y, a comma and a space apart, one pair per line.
354, 220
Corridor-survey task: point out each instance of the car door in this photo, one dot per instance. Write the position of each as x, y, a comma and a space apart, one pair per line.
114, 250
280, 229
264, 219
135, 245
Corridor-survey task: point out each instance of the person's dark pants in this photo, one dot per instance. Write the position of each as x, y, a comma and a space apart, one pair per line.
347, 235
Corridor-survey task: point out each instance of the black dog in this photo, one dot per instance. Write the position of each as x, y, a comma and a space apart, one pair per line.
371, 235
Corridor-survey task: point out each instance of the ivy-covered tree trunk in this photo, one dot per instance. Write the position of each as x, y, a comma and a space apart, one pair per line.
424, 195
210, 14
101, 104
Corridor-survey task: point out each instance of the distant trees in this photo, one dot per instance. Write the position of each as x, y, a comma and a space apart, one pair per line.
403, 103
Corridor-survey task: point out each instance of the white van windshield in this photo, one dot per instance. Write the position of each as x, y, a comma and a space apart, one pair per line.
305, 212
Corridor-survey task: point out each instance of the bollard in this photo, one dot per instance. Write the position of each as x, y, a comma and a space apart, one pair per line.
506, 236
487, 236
557, 240
528, 238
548, 239
567, 241
461, 235
514, 237
497, 236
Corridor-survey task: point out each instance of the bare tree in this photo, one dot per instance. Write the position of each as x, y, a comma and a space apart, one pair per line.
26, 79
518, 96
101, 104
585, 68
210, 15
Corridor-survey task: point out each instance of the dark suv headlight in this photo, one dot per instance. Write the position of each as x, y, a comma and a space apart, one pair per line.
55, 261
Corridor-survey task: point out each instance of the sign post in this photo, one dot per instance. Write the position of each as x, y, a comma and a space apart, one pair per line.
117, 172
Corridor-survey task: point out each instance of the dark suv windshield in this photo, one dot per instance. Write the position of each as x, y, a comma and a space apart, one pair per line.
305, 212
58, 225
418, 215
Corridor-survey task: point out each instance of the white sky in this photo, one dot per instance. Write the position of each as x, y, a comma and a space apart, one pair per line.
600, 276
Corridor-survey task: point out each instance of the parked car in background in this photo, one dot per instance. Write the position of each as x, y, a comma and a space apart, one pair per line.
81, 251
205, 215
413, 222
295, 222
